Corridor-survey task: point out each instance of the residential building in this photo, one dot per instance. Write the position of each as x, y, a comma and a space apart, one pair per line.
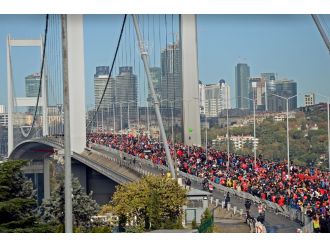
216, 98
3, 119
2, 109
309, 99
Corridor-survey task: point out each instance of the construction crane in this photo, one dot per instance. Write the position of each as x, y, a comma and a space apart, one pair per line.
322, 32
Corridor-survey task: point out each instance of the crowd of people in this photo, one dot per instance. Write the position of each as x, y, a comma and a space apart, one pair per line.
306, 189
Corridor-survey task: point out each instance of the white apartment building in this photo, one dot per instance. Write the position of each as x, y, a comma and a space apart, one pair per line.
214, 98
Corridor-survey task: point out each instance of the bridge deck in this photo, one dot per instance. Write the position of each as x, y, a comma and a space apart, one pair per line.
108, 164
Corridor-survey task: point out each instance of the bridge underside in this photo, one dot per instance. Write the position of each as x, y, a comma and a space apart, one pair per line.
101, 186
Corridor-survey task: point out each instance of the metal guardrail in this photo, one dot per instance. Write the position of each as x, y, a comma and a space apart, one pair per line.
293, 214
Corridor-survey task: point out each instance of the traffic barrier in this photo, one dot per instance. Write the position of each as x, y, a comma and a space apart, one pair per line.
223, 204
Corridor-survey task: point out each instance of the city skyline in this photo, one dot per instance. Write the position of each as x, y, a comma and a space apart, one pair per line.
305, 62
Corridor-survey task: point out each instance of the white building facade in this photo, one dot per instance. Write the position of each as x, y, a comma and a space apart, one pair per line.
214, 98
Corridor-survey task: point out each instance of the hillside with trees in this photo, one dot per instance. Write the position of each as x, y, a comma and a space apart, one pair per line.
308, 138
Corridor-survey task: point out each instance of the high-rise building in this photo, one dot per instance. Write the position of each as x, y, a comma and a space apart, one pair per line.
201, 89
171, 78
269, 76
3, 119
242, 75
309, 99
285, 88
156, 75
270, 88
257, 91
100, 80
102, 70
123, 92
32, 83
216, 98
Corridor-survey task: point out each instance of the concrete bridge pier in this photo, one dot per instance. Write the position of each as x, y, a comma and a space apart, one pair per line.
35, 171
46, 178
93, 181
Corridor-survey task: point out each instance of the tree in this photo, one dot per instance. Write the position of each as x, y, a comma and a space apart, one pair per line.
206, 225
18, 203
84, 207
153, 202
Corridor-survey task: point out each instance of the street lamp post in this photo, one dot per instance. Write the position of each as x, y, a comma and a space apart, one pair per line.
172, 115
328, 134
206, 136
121, 119
287, 127
114, 118
254, 128
128, 123
228, 141
128, 114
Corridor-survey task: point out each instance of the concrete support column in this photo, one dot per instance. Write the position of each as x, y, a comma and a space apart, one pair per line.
191, 109
76, 77
46, 178
10, 100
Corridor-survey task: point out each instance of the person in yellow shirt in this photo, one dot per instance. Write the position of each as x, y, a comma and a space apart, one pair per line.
316, 224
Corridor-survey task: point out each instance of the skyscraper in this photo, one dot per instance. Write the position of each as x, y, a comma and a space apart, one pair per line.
123, 92
156, 75
171, 77
286, 88
102, 70
257, 92
32, 85
270, 89
100, 80
32, 89
201, 88
242, 75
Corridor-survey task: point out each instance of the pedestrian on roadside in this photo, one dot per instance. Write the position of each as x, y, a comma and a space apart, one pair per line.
188, 183
316, 224
227, 199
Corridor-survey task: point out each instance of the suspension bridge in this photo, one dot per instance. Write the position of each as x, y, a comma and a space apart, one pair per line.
133, 96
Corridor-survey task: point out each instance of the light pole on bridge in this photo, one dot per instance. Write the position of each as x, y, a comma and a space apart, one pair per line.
287, 127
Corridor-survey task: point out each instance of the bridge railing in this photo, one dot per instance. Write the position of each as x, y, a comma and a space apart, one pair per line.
143, 165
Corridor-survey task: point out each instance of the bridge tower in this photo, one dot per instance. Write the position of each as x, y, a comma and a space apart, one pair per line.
24, 101
76, 78
191, 106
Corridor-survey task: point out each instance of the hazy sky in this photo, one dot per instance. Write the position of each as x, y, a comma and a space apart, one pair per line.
288, 45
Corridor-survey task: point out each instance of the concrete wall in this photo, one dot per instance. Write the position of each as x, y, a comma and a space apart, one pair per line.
101, 186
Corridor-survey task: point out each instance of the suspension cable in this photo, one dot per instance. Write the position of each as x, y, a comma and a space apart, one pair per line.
41, 75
